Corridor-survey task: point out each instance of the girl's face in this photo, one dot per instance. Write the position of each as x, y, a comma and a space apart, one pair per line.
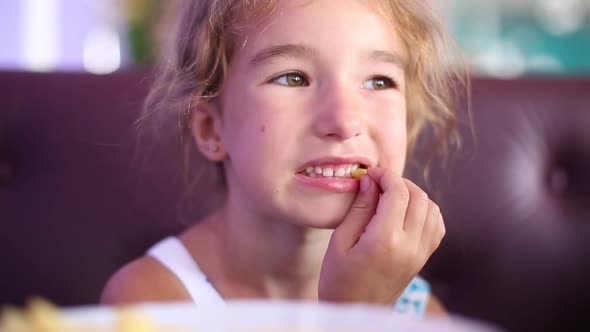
317, 86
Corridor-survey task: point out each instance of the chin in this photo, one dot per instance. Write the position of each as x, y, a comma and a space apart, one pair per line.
324, 214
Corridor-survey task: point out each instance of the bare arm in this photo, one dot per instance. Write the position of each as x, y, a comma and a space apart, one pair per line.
434, 308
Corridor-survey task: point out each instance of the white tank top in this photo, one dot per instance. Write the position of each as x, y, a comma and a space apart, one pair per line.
173, 255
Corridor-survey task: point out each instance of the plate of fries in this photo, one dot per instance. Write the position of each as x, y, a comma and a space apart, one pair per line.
235, 316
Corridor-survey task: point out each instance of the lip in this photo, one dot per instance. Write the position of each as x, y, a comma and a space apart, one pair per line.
337, 185
337, 161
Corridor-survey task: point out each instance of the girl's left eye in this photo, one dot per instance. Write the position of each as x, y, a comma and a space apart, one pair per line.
379, 83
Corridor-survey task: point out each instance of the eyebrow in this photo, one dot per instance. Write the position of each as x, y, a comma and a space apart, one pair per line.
385, 56
281, 51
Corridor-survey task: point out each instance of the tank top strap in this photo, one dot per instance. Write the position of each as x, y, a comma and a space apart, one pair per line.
172, 254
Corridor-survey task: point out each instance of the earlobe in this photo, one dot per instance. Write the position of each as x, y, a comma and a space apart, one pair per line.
204, 123
213, 147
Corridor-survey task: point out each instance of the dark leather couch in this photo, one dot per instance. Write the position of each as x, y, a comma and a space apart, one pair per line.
75, 204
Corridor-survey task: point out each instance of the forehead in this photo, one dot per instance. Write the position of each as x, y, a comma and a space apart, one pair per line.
323, 24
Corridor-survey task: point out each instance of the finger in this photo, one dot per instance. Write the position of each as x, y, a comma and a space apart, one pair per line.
360, 214
434, 228
382, 176
391, 211
417, 210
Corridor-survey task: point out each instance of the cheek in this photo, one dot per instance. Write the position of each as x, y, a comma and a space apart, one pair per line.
255, 124
391, 137
238, 119
394, 146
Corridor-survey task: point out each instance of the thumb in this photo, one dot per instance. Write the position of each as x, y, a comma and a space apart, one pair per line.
361, 211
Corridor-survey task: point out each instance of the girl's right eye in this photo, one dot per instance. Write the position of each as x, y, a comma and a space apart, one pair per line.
292, 79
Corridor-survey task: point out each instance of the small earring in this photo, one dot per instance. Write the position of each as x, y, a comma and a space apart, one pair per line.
213, 147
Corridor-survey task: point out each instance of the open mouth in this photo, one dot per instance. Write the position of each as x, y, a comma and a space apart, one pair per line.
342, 171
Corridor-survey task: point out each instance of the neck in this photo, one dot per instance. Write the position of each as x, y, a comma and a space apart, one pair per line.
267, 258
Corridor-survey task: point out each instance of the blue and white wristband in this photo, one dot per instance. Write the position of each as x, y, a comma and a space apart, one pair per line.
414, 298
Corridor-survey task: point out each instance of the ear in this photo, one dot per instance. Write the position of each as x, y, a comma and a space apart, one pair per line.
205, 122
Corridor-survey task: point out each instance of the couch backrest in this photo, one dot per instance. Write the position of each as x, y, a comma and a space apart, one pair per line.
516, 201
74, 206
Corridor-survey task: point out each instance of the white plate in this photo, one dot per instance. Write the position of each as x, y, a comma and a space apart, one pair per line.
254, 316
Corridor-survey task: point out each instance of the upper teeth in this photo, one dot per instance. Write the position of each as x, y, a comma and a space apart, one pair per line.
332, 170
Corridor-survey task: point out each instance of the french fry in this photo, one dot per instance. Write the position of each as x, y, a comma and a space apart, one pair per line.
40, 315
130, 320
358, 173
13, 320
45, 317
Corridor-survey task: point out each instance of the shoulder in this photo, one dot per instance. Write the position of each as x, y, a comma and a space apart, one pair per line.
135, 282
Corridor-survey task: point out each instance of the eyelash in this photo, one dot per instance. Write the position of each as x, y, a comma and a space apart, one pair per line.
388, 81
285, 75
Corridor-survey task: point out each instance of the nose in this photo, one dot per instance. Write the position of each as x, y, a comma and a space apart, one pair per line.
338, 113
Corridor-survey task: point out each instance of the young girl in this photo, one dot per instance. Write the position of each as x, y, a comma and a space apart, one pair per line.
288, 98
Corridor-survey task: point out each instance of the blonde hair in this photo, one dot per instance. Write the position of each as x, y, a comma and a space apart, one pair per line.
195, 64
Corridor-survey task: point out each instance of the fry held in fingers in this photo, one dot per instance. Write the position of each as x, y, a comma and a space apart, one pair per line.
358, 173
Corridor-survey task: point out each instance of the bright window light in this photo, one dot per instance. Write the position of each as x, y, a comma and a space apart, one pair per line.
102, 51
40, 41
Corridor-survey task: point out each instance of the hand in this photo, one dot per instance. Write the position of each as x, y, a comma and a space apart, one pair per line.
389, 233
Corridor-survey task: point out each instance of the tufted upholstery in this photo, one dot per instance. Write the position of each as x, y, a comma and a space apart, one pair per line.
516, 202
75, 204
72, 206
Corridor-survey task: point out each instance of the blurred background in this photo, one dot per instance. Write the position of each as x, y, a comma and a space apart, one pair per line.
516, 198
500, 38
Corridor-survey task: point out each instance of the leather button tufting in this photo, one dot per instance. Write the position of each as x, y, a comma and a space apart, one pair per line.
558, 180
5, 172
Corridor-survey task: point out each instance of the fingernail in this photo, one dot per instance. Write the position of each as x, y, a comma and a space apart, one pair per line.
365, 183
